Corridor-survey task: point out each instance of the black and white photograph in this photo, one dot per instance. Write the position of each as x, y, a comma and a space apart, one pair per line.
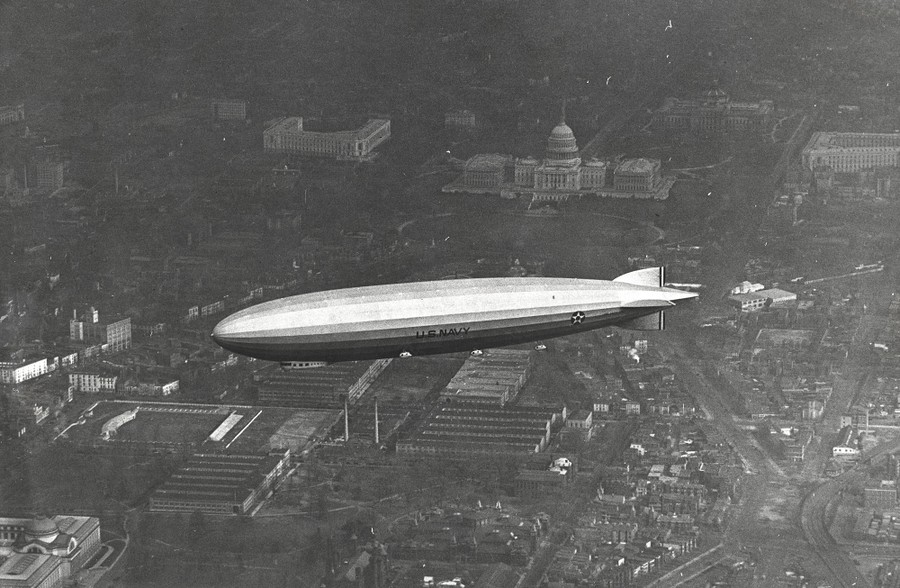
451, 294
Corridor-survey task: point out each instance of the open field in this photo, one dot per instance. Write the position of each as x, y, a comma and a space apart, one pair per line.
189, 427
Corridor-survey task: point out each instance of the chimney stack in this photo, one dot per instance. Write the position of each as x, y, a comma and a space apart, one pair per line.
346, 420
377, 439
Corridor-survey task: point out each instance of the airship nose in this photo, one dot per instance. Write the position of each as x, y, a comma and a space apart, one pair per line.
223, 332
226, 335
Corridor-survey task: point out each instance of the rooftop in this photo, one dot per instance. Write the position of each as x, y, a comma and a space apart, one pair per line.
487, 162
838, 141
20, 567
637, 166
773, 293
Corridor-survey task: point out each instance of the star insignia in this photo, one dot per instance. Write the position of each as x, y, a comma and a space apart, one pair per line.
577, 318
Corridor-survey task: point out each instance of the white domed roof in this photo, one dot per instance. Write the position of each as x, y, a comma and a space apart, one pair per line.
42, 529
562, 131
561, 146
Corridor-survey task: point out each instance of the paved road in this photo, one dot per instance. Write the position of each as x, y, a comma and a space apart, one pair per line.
690, 569
814, 519
540, 563
763, 478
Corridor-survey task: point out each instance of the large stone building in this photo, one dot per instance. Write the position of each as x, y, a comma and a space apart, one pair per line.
12, 372
562, 173
713, 112
48, 175
852, 152
228, 109
44, 552
561, 170
638, 175
11, 114
93, 382
486, 170
115, 335
287, 135
459, 119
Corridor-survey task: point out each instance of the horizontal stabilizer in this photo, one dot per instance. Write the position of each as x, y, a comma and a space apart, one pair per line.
651, 322
651, 276
647, 304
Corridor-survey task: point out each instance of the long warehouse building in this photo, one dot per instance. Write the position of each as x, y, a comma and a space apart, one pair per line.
221, 484
467, 430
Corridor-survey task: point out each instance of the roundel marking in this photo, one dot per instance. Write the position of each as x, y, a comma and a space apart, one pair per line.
577, 317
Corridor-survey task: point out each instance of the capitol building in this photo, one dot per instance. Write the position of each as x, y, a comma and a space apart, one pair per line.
561, 174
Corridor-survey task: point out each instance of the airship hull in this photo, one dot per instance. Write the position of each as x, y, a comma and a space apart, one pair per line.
428, 318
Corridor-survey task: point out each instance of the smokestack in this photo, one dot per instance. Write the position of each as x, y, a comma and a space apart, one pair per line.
377, 440
346, 420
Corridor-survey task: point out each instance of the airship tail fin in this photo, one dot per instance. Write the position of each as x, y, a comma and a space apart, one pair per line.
651, 322
651, 276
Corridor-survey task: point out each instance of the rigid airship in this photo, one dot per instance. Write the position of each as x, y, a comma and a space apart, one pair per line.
425, 318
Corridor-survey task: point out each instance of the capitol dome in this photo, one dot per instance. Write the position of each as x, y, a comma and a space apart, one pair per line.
561, 146
715, 95
42, 529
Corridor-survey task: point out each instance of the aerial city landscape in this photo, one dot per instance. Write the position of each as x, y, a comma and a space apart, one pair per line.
346, 294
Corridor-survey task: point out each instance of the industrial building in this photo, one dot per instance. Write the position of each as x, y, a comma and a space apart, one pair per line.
288, 136
495, 377
114, 335
757, 300
846, 443
787, 338
324, 387
882, 498
467, 430
221, 484
852, 152
375, 420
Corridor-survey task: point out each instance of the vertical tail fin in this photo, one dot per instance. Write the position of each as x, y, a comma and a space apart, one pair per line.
651, 276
